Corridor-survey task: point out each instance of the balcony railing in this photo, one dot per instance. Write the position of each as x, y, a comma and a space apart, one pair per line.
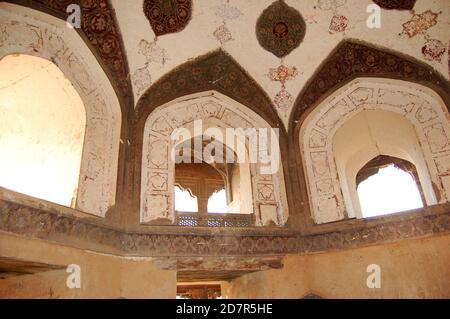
214, 220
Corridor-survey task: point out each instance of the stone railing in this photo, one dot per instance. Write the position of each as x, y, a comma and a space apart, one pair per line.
214, 220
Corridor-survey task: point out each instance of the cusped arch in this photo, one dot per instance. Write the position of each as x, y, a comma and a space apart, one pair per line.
26, 31
216, 111
330, 194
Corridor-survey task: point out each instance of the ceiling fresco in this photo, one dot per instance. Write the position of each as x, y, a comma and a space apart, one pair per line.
280, 43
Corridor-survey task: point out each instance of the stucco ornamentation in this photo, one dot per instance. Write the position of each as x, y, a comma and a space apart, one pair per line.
329, 198
353, 59
280, 29
223, 34
54, 226
396, 4
98, 173
269, 197
168, 16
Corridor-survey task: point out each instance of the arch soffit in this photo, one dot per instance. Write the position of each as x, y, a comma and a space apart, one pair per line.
39, 34
418, 104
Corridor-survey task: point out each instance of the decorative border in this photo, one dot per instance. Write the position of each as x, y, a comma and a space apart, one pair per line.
56, 227
216, 71
351, 59
396, 4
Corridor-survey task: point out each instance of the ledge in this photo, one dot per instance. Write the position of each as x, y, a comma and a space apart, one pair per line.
49, 222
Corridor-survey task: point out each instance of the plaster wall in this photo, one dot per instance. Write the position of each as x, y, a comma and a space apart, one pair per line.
102, 276
409, 269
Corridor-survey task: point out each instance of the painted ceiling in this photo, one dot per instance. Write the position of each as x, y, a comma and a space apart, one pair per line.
280, 44
206, 25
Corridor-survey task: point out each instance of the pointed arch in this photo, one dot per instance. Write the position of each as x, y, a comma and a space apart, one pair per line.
216, 71
354, 58
350, 60
34, 33
217, 74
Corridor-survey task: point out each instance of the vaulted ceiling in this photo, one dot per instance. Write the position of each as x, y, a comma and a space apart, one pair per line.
232, 26
280, 44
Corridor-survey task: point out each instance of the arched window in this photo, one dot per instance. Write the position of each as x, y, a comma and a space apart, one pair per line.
388, 185
42, 128
184, 201
369, 118
255, 190
217, 203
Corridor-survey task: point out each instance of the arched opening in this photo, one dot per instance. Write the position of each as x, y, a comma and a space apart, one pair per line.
388, 185
36, 34
42, 129
254, 184
369, 118
215, 185
383, 138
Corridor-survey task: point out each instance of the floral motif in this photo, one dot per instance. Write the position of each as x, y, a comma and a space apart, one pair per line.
338, 24
283, 100
227, 12
168, 16
280, 29
433, 50
142, 80
282, 74
222, 34
420, 23
152, 52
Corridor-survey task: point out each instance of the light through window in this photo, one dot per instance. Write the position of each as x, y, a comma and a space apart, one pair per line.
217, 203
184, 201
42, 126
389, 191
